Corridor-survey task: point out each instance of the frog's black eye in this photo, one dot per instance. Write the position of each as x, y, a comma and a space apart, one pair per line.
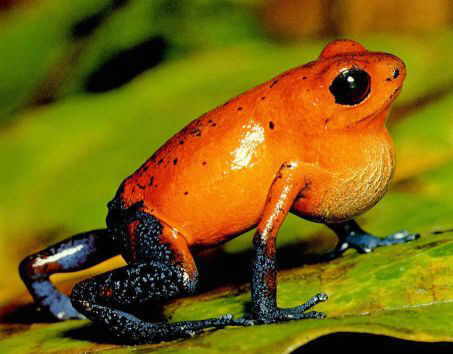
351, 87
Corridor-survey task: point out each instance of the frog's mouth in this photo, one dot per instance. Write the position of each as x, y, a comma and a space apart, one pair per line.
394, 95
382, 112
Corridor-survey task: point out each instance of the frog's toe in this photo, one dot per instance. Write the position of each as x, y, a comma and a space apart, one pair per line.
70, 314
399, 237
302, 309
61, 309
242, 322
365, 243
304, 315
300, 312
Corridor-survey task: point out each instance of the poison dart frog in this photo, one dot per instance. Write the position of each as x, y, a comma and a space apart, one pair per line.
311, 141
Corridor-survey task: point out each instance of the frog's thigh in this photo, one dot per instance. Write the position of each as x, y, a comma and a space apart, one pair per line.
160, 266
151, 239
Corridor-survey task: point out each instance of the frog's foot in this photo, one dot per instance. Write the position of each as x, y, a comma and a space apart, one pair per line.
60, 307
136, 331
364, 242
282, 315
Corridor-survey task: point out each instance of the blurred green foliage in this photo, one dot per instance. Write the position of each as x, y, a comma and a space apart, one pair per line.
40, 41
32, 40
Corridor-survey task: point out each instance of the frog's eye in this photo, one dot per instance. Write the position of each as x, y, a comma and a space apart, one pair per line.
350, 87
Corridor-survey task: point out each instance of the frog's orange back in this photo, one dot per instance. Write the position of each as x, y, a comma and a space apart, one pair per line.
211, 180
199, 180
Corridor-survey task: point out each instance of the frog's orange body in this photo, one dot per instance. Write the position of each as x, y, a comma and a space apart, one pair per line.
225, 161
312, 141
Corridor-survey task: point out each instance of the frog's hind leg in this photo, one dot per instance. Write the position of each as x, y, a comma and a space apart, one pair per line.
76, 253
351, 235
161, 267
105, 299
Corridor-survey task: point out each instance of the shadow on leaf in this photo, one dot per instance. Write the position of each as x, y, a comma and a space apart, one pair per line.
356, 343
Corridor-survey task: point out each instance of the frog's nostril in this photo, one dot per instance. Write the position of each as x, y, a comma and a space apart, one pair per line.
396, 73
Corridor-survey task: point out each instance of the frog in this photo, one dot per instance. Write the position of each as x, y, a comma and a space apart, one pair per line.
311, 141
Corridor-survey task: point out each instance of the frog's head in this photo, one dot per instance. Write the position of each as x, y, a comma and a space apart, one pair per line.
349, 86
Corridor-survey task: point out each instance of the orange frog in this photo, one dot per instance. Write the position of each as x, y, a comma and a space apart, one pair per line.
311, 141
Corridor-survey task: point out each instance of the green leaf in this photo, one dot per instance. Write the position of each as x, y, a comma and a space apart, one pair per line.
402, 291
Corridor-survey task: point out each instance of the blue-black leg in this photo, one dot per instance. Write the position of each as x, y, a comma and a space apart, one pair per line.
160, 267
264, 290
76, 253
288, 183
106, 298
351, 235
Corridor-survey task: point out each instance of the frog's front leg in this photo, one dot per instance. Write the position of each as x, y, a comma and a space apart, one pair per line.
284, 190
76, 253
351, 235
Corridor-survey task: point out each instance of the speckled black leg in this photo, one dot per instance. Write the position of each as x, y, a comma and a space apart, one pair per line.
78, 252
105, 299
264, 292
160, 268
351, 235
